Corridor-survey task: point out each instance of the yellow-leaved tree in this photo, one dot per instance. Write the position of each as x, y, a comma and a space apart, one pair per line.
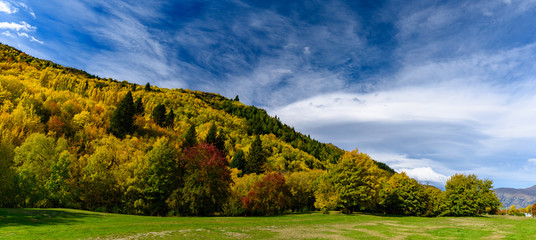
356, 179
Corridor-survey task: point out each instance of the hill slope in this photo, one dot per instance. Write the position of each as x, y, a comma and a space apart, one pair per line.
71, 139
518, 197
58, 93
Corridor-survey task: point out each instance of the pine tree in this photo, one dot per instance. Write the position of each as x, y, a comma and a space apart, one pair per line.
138, 105
159, 115
190, 139
256, 157
211, 135
239, 161
122, 120
237, 99
148, 87
170, 118
215, 138
220, 142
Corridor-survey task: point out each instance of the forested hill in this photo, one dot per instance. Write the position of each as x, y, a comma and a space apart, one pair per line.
71, 139
57, 94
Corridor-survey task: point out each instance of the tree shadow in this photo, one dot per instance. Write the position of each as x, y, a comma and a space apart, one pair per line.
39, 217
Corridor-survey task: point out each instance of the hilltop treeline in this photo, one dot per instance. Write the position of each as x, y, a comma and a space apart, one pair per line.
71, 139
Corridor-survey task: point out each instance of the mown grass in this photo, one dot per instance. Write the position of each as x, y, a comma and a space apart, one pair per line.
76, 224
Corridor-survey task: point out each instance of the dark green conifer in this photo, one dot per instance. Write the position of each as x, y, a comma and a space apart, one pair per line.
256, 158
159, 115
148, 87
170, 118
239, 160
190, 139
215, 138
212, 134
138, 105
122, 120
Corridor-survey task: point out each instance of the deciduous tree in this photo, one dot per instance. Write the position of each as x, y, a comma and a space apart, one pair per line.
206, 182
466, 195
268, 196
357, 180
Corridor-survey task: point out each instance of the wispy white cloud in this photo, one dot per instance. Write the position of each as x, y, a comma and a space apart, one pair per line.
33, 39
8, 34
21, 29
130, 49
21, 26
6, 7
26, 8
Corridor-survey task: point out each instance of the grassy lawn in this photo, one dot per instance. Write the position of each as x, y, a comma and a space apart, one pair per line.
76, 224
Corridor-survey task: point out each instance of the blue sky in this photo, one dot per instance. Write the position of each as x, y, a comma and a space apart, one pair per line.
429, 87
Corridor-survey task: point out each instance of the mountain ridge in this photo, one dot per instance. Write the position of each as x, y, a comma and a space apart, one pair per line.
519, 197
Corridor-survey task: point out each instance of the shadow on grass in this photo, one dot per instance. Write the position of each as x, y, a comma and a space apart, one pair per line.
37, 217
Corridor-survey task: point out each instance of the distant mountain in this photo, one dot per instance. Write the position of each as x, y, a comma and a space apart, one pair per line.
519, 197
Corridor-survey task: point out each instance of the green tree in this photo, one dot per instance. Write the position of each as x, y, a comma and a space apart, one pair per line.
7, 190
302, 186
435, 201
190, 139
99, 187
403, 195
327, 198
159, 115
239, 161
237, 99
42, 165
170, 118
122, 121
138, 105
207, 184
256, 159
357, 180
212, 135
161, 178
215, 138
466, 195
148, 87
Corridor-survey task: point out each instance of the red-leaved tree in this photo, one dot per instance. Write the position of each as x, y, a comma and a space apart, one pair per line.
268, 196
207, 180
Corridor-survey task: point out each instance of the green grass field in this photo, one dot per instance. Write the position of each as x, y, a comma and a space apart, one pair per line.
76, 224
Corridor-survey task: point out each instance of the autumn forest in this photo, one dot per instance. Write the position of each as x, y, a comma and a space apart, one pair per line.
74, 140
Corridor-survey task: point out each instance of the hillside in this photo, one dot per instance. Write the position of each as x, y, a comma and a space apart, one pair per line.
49, 87
518, 197
73, 140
